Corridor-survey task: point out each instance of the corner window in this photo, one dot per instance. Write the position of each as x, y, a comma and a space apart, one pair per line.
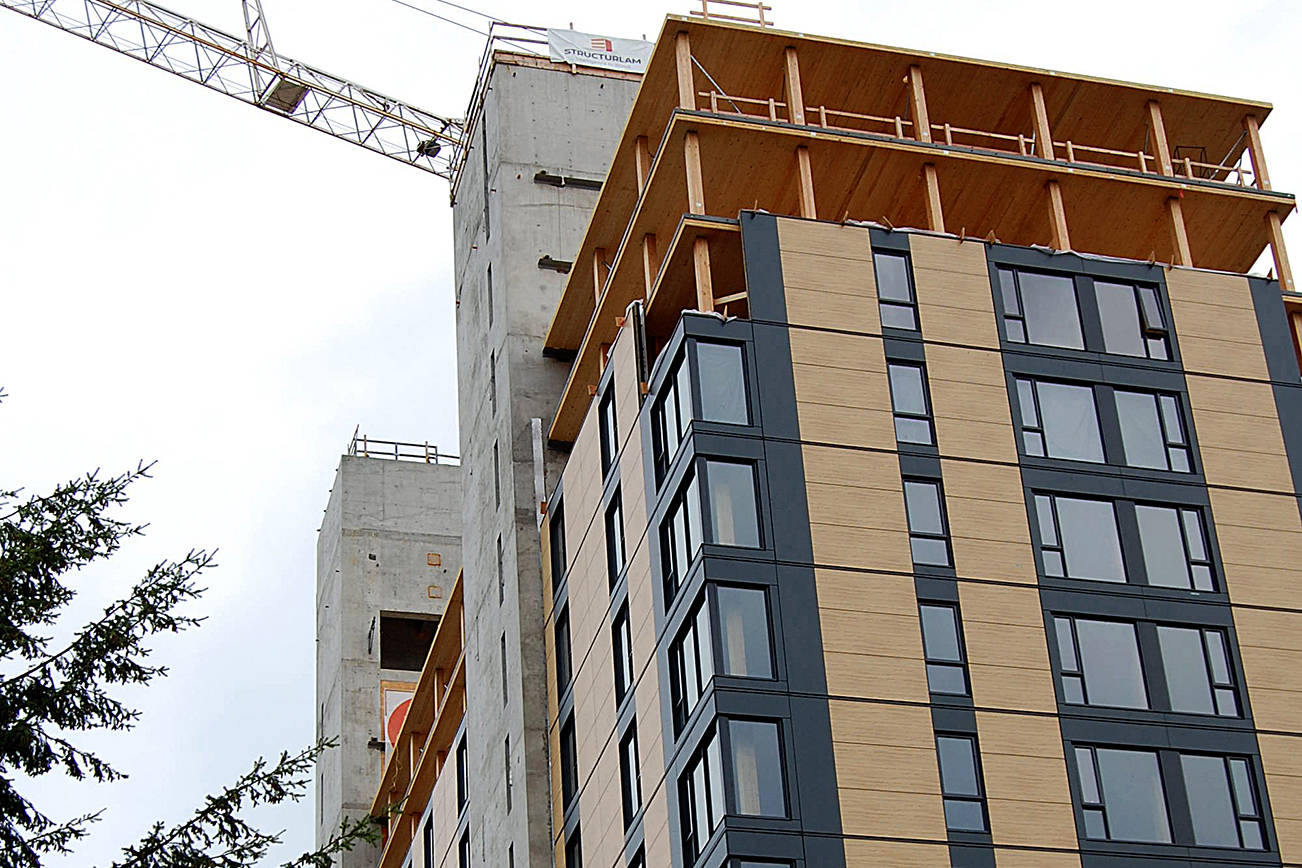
1040, 309
928, 533
1152, 431
909, 402
1122, 795
692, 662
672, 414
569, 764
721, 372
1079, 538
942, 645
743, 619
680, 536
564, 673
1132, 320
717, 374
630, 776
960, 783
1100, 663
622, 646
733, 499
615, 553
895, 296
609, 428
755, 756
700, 797
556, 537
1059, 421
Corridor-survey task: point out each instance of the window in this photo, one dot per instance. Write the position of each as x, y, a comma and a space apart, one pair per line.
1196, 664
1122, 796
960, 783
909, 400
1079, 538
615, 554
506, 769
639, 859
743, 620
556, 534
564, 672
497, 478
755, 760
505, 695
488, 296
1222, 803
700, 797
942, 645
673, 414
721, 373
569, 764
630, 776
1040, 309
733, 511
928, 536
463, 850
1100, 663
405, 641
574, 849
1152, 432
1132, 320
463, 779
427, 842
895, 297
492, 383
680, 536
609, 428
1059, 421
1174, 543
501, 573
692, 661
623, 648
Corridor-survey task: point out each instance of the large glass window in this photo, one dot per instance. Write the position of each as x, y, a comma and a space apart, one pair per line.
928, 533
622, 642
909, 400
896, 300
743, 621
722, 377
1196, 664
569, 763
1122, 797
960, 783
1100, 663
1040, 309
758, 782
1222, 802
1132, 320
734, 513
1079, 538
609, 428
942, 644
672, 414
1152, 431
720, 382
692, 658
1059, 421
700, 796
680, 536
630, 776
1175, 548
615, 554
564, 672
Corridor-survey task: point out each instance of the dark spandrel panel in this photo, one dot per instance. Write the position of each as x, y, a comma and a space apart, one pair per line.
723, 383
962, 815
898, 316
1109, 653
1141, 431
734, 518
1090, 542
1049, 303
1210, 806
744, 632
1163, 546
1071, 423
758, 781
1133, 794
922, 503
1119, 312
1185, 670
940, 633
892, 272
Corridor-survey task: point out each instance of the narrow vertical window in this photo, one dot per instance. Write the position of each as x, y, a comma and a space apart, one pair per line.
672, 414
622, 645
492, 383
1152, 431
609, 429
1059, 421
506, 771
721, 374
615, 554
692, 664
895, 296
562, 633
1196, 664
1175, 549
501, 573
928, 535
1040, 309
497, 478
574, 849
427, 843
505, 688
489, 294
960, 783
942, 644
630, 776
569, 764
556, 536
463, 779
680, 536
700, 797
1079, 538
910, 405
463, 850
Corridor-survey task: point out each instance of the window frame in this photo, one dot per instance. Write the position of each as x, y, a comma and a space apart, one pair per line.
608, 428
1076, 671
911, 304
932, 536
926, 416
564, 651
630, 776
568, 760
947, 796
557, 554
616, 544
939, 662
1180, 442
1024, 386
684, 373
622, 654
694, 492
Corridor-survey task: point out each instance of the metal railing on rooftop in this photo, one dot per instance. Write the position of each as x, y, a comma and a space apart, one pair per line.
397, 450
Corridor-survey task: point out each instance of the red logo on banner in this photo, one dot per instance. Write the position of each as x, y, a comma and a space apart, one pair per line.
602, 45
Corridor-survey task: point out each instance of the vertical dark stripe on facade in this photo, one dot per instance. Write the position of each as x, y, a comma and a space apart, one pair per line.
1282, 365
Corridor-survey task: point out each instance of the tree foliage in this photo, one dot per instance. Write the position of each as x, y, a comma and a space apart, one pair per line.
52, 690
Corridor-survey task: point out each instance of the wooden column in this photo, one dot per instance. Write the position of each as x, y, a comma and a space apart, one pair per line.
791, 90
683, 56
918, 106
1158, 130
931, 200
1180, 254
1040, 114
704, 283
650, 263
1283, 271
1059, 238
1257, 154
695, 183
642, 159
599, 272
805, 172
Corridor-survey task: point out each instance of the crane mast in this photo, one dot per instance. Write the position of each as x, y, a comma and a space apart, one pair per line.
251, 71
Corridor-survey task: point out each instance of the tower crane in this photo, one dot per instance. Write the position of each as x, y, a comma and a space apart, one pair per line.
251, 71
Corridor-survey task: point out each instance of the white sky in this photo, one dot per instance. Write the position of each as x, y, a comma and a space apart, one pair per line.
187, 279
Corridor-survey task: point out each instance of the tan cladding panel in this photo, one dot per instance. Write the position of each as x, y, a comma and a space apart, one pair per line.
623, 359
842, 395
1270, 644
1008, 656
1239, 438
1281, 759
1026, 780
860, 853
987, 521
1216, 324
887, 778
969, 403
955, 302
1260, 538
856, 508
827, 274
872, 642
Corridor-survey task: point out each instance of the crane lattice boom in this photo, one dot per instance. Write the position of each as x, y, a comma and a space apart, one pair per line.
255, 74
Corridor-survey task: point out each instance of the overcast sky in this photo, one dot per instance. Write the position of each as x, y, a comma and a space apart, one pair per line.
187, 279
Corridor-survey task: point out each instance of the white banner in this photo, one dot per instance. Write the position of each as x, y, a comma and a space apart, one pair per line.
589, 49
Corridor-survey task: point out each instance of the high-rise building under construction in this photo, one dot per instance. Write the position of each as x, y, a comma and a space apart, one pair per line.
914, 481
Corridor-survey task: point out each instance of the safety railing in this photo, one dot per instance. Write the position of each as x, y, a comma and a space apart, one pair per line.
363, 446
758, 10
